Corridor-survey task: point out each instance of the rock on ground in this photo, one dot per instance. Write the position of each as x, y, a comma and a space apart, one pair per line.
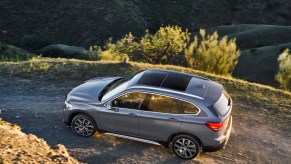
16, 146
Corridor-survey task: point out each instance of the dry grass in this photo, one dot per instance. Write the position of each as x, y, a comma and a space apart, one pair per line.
273, 103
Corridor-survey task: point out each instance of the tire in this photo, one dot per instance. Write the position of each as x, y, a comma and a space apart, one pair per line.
84, 125
186, 147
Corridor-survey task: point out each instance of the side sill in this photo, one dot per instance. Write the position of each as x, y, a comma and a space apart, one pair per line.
135, 139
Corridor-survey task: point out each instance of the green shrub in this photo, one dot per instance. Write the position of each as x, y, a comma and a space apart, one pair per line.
119, 50
282, 49
212, 54
164, 46
283, 75
66, 51
111, 55
9, 53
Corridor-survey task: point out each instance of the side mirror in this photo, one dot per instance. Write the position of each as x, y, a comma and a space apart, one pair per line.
115, 103
108, 106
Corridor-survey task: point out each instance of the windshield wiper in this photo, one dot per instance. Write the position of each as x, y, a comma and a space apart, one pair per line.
105, 89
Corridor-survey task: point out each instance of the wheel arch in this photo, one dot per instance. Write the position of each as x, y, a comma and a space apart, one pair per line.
171, 137
76, 112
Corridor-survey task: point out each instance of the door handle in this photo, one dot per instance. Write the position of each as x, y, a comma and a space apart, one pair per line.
132, 114
174, 119
115, 109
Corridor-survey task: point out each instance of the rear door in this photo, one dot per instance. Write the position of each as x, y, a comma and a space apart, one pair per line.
159, 118
122, 114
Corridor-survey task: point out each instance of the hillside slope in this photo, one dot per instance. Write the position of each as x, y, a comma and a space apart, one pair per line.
36, 23
254, 36
260, 47
260, 64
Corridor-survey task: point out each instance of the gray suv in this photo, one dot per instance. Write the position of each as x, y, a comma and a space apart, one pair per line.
162, 107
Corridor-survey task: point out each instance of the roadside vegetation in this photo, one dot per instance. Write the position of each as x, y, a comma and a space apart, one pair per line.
163, 47
284, 72
211, 54
171, 45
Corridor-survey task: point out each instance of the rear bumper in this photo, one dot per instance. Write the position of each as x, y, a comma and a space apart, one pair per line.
214, 148
222, 141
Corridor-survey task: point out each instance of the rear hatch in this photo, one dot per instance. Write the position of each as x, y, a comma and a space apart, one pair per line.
218, 100
220, 103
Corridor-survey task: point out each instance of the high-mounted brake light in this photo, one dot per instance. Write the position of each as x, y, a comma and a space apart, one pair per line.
215, 125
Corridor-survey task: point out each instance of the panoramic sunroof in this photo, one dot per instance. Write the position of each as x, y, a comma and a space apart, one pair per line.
177, 81
153, 78
171, 80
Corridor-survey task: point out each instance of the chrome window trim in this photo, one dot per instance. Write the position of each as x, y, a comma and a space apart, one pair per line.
146, 92
167, 90
134, 138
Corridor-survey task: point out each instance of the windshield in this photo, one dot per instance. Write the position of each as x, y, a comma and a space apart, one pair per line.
114, 87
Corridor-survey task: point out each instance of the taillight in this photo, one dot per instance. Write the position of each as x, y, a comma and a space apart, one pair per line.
215, 125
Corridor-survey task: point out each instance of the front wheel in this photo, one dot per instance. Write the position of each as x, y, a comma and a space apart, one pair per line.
84, 125
186, 147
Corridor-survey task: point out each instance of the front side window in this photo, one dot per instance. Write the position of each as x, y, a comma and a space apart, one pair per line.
162, 104
130, 101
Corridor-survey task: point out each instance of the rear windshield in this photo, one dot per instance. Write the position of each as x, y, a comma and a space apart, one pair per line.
223, 104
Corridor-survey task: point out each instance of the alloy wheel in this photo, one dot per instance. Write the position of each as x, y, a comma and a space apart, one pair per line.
185, 148
83, 127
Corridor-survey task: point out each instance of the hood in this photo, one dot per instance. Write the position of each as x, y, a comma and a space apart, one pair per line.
90, 90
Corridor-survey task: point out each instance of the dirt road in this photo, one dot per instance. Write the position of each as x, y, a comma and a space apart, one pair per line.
35, 105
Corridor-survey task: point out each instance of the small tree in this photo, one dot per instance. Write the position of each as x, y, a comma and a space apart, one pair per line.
164, 45
126, 45
212, 54
117, 51
283, 75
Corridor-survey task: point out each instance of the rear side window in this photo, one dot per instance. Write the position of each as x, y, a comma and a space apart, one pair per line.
162, 104
189, 108
159, 103
130, 101
223, 104
174, 108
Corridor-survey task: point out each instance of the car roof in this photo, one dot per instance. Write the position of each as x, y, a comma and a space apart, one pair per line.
171, 81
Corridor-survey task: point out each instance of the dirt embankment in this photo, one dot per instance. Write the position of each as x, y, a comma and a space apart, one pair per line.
16, 146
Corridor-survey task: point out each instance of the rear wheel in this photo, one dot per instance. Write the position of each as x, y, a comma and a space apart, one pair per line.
186, 147
84, 125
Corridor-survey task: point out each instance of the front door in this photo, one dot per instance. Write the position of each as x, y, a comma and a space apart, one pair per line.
122, 114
